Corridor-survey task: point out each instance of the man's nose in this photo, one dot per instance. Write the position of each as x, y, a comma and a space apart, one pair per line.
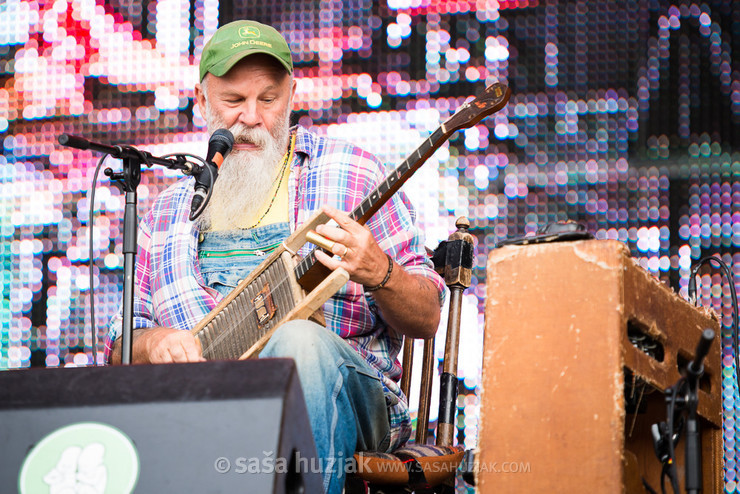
249, 114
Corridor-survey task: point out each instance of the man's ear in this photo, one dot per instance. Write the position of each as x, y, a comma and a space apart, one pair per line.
292, 94
200, 99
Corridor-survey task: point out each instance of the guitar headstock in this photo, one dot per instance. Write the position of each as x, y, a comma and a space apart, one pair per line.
492, 100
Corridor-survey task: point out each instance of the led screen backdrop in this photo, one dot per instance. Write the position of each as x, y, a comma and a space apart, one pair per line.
625, 116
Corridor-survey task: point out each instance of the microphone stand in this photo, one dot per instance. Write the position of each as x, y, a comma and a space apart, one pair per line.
683, 396
128, 180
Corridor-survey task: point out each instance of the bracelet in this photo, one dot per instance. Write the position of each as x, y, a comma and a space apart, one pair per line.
385, 280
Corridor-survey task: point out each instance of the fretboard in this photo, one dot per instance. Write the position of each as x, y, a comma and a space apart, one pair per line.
385, 190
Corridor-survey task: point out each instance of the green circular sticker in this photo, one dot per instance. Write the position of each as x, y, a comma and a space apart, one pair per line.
84, 457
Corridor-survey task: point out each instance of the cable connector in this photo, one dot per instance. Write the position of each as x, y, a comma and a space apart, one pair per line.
660, 442
692, 286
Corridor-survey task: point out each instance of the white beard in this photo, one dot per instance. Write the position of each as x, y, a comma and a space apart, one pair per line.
245, 178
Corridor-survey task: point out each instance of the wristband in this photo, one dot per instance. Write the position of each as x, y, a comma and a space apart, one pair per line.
385, 280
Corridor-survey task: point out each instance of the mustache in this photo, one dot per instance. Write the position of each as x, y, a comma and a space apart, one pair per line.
245, 135
259, 136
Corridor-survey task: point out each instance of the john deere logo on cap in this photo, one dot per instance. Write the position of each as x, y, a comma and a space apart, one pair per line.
249, 32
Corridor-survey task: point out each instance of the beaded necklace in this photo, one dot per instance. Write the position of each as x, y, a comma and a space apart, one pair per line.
278, 179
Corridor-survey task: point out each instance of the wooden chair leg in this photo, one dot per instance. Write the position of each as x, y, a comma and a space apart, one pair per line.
448, 381
425, 392
408, 364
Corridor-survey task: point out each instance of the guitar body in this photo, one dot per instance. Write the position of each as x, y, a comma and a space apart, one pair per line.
285, 287
240, 326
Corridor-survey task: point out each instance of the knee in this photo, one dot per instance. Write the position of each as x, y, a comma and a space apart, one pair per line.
296, 338
314, 351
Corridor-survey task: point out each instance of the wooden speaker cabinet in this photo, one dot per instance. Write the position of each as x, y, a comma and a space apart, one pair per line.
568, 397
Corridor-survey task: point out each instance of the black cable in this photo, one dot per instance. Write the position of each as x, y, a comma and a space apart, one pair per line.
91, 224
663, 473
671, 466
667, 437
648, 487
203, 166
212, 180
733, 297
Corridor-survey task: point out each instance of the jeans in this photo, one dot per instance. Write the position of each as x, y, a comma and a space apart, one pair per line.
344, 395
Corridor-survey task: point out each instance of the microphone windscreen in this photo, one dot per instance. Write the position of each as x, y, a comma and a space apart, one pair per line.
221, 141
80, 142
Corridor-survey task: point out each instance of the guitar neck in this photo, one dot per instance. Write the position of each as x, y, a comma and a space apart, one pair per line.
385, 190
492, 100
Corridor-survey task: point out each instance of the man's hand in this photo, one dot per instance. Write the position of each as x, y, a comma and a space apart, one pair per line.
167, 345
409, 303
161, 345
360, 254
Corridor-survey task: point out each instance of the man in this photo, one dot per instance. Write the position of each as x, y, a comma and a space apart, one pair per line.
275, 178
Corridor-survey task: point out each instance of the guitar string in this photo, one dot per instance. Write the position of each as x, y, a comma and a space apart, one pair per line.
307, 262
229, 330
309, 259
434, 141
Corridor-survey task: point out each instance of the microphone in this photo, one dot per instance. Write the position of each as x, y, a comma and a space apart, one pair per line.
219, 146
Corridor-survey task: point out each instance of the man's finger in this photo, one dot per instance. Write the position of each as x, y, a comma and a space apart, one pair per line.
340, 217
177, 353
340, 250
185, 349
326, 260
199, 350
192, 350
162, 356
332, 234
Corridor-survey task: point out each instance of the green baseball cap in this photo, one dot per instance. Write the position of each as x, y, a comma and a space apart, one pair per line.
236, 40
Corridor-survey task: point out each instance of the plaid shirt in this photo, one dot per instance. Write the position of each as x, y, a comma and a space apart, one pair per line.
170, 291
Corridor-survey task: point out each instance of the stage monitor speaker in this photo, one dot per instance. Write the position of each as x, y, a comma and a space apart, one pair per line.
580, 344
232, 426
